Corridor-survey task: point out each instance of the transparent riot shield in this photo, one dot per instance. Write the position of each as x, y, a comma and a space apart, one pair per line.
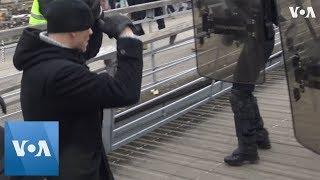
230, 36
300, 32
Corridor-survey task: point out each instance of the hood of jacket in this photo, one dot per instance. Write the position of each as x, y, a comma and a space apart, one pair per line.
31, 50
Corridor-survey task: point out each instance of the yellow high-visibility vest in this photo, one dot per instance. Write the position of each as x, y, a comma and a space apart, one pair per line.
36, 18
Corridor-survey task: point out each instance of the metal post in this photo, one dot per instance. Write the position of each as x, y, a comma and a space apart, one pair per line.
111, 66
150, 14
212, 89
107, 128
2, 51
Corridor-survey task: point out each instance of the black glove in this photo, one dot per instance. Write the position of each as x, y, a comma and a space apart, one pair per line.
114, 25
95, 7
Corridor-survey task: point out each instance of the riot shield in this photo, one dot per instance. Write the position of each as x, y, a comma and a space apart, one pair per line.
230, 37
300, 34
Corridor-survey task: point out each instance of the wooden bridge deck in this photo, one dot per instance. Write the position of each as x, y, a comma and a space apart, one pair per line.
193, 146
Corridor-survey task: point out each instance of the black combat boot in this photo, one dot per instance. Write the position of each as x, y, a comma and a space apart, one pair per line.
263, 140
243, 106
262, 134
244, 154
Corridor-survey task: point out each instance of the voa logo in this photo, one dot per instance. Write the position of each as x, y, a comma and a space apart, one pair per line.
306, 13
31, 148
40, 149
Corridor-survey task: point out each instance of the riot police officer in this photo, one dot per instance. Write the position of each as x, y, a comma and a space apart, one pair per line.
249, 126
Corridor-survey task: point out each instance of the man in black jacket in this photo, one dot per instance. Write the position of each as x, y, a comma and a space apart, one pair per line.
57, 85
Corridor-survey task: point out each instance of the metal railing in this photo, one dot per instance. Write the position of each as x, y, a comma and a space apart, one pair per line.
140, 7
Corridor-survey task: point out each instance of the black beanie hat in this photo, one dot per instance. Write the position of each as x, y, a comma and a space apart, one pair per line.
68, 16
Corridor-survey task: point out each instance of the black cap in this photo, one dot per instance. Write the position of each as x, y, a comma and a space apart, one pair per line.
68, 16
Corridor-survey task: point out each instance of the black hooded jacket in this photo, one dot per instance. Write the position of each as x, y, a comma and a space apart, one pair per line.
57, 86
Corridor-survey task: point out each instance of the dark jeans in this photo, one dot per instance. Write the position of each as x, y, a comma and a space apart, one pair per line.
142, 14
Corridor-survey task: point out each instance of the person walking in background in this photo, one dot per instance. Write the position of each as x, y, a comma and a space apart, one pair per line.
136, 16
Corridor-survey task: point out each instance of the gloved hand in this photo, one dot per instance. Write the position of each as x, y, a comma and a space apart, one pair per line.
114, 25
95, 7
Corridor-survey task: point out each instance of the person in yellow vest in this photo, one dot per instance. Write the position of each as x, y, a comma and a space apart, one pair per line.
36, 17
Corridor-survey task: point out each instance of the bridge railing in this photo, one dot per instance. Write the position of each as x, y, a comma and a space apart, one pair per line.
4, 34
